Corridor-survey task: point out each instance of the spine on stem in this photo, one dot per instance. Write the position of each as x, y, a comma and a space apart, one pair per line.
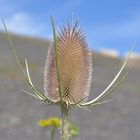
65, 124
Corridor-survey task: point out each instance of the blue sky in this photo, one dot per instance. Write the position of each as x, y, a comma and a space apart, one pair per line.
112, 24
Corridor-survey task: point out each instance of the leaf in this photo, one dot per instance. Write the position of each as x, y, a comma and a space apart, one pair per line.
26, 74
73, 130
109, 87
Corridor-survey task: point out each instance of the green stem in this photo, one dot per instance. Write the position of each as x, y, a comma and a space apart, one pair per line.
64, 108
53, 132
64, 115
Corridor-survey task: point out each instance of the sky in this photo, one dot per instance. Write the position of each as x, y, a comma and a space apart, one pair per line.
111, 24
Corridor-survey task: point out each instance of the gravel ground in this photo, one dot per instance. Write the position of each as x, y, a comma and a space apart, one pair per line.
19, 113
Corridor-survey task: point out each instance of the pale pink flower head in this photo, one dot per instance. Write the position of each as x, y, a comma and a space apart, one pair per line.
75, 63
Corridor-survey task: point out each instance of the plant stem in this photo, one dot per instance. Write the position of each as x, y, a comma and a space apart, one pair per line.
64, 115
53, 132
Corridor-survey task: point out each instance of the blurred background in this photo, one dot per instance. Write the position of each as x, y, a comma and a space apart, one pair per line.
111, 28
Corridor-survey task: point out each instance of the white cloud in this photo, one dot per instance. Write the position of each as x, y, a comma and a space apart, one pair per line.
109, 52
27, 23
134, 55
23, 23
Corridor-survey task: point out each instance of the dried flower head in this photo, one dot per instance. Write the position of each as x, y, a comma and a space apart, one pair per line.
75, 65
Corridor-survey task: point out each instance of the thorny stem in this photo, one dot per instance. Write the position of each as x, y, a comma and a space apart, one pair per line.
64, 117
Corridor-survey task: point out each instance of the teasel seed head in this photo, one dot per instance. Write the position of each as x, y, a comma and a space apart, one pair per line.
75, 72
75, 63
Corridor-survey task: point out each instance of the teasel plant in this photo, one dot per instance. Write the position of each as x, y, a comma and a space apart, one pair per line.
68, 73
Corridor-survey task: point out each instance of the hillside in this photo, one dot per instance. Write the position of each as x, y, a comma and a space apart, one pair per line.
116, 120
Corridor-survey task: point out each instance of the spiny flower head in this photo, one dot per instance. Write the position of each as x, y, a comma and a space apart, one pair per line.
75, 65
68, 70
